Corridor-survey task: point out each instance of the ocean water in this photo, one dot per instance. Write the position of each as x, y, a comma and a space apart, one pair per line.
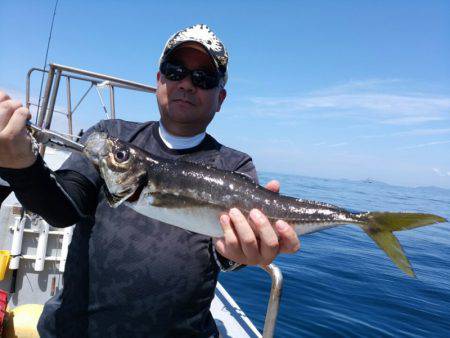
341, 284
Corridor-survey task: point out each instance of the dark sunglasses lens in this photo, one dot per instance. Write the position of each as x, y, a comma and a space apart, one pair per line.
200, 78
204, 80
173, 72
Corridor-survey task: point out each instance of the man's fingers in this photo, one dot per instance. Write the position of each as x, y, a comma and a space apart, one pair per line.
230, 239
267, 236
16, 124
7, 109
229, 243
289, 242
273, 185
246, 236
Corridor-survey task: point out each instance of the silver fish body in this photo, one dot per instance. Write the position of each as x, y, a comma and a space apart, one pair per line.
192, 196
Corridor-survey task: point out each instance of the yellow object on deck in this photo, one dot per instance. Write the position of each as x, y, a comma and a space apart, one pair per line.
22, 321
4, 261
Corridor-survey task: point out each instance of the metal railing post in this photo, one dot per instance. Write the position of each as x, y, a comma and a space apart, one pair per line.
27, 91
69, 107
48, 88
51, 108
274, 300
112, 103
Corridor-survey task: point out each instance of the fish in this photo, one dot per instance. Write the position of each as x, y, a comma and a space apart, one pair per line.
192, 196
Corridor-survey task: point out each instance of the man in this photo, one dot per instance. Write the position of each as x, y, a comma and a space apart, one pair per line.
128, 275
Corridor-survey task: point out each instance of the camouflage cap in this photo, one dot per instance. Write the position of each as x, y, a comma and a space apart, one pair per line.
204, 36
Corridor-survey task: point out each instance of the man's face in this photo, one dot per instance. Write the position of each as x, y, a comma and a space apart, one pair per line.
185, 109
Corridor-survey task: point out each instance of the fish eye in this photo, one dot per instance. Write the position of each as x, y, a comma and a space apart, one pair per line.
121, 155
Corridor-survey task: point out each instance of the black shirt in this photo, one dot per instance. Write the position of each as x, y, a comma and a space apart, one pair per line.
126, 274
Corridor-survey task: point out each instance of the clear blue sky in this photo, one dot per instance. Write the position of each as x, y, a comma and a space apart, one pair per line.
336, 89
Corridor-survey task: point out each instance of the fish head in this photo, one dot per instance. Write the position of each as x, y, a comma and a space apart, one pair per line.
120, 165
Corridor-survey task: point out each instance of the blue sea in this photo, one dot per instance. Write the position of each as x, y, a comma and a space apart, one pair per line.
341, 284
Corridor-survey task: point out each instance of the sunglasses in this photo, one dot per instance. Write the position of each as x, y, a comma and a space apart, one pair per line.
200, 78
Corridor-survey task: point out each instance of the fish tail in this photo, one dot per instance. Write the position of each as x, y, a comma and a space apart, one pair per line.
380, 225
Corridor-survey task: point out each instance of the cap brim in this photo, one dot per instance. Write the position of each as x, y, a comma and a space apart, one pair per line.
194, 45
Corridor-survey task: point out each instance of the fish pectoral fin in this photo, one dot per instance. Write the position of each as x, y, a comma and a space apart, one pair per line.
173, 201
387, 242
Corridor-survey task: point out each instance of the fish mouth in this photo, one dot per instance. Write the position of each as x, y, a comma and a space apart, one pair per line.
96, 147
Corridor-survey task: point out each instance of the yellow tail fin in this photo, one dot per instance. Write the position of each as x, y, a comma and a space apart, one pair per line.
380, 225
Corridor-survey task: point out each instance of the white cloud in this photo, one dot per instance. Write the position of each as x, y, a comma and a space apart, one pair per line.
423, 132
330, 145
408, 120
340, 144
428, 144
413, 132
359, 85
365, 100
441, 173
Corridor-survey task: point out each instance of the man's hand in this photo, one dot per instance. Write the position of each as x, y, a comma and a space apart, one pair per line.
255, 241
15, 143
